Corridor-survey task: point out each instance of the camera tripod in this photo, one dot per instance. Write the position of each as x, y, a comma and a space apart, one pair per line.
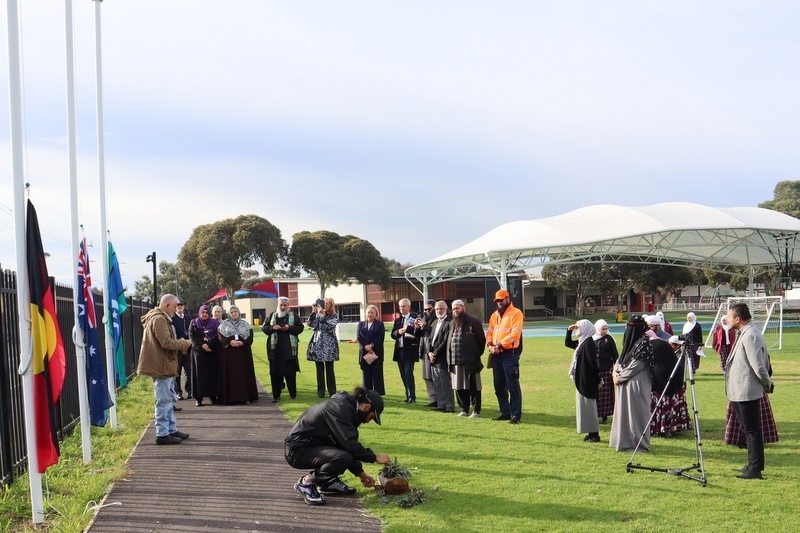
698, 465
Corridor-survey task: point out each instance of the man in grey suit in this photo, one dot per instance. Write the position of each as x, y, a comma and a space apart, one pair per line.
747, 378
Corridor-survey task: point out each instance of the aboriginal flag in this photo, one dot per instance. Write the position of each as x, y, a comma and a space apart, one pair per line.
47, 347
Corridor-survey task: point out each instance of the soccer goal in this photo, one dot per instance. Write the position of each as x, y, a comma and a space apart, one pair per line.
767, 314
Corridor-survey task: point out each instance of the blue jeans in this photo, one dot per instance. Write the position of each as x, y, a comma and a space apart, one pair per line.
506, 383
164, 389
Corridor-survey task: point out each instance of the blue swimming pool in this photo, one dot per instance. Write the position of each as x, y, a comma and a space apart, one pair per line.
616, 330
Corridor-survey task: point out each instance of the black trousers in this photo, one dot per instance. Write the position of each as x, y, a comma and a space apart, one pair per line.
327, 463
277, 385
184, 366
471, 395
749, 418
325, 376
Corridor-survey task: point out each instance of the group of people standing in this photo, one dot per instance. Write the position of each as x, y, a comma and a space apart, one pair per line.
649, 381
219, 364
449, 346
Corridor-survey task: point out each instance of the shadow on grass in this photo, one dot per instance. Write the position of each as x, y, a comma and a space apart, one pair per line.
488, 510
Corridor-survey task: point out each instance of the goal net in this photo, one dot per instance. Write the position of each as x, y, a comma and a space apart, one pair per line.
767, 314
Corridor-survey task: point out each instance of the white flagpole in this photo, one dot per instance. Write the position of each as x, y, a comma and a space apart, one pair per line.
77, 332
101, 163
23, 295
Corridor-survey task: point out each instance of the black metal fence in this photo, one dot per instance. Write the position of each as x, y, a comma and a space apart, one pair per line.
13, 453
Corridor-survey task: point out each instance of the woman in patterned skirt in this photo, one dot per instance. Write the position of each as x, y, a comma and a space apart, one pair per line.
724, 336
607, 355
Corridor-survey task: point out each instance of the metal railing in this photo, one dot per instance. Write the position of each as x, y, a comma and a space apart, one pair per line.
13, 453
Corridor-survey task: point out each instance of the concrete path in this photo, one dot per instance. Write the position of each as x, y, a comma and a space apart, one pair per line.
230, 475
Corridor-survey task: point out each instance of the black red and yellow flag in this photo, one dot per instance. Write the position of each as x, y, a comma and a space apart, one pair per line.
47, 347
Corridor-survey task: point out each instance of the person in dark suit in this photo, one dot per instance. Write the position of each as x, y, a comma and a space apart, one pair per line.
370, 334
747, 378
422, 333
437, 355
181, 322
406, 348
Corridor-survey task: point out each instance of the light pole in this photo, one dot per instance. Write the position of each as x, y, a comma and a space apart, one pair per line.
152, 259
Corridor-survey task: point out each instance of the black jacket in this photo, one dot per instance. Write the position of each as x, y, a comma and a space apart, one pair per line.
410, 349
587, 378
472, 343
331, 423
439, 345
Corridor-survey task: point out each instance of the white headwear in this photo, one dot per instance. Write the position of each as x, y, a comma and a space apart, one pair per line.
691, 320
653, 320
660, 314
283, 299
597, 325
585, 331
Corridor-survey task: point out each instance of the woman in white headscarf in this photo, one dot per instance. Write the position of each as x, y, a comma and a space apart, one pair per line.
666, 326
237, 374
607, 355
584, 372
693, 335
724, 336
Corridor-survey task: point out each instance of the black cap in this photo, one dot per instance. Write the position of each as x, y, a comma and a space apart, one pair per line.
376, 401
181, 301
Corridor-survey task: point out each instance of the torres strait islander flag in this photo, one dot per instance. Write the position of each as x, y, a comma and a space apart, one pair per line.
47, 347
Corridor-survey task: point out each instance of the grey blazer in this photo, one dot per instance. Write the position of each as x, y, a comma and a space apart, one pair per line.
747, 374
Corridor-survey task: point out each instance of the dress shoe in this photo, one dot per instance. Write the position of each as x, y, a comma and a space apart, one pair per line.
411, 400
199, 403
432, 404
180, 397
502, 417
750, 474
168, 439
275, 400
514, 420
180, 434
177, 408
214, 400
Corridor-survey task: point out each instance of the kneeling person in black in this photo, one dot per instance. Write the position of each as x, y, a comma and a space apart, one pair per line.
325, 438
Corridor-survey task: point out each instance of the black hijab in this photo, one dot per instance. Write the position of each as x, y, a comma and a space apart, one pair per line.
635, 344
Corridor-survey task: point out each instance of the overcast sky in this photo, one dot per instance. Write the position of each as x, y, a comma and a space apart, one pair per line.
415, 125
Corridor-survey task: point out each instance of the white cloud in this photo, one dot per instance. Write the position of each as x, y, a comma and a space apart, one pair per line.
380, 119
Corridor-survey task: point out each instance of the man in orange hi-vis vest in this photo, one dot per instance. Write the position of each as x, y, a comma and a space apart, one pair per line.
503, 339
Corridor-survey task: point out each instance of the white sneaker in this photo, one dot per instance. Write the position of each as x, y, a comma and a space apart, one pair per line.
463, 413
475, 414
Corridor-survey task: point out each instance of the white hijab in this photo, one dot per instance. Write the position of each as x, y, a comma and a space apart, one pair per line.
585, 331
597, 326
691, 320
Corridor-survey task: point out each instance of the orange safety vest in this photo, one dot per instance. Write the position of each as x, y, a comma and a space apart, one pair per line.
505, 331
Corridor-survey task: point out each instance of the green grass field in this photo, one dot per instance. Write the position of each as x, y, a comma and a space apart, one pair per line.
487, 476
540, 476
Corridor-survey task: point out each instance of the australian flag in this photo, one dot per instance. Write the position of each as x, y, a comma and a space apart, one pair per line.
99, 399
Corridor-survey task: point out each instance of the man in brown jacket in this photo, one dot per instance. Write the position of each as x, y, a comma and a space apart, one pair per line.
158, 359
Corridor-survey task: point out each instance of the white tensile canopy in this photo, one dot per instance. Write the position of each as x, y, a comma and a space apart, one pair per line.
676, 233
